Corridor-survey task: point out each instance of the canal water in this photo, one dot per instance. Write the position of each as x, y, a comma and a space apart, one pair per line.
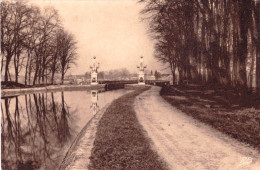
39, 128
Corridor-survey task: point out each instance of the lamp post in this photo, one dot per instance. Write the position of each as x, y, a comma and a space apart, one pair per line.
141, 67
94, 71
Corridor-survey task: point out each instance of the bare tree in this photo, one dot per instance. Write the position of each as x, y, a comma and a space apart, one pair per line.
67, 52
31, 41
193, 37
35, 42
49, 23
7, 34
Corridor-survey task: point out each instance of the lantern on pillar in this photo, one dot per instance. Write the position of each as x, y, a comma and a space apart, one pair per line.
141, 67
94, 71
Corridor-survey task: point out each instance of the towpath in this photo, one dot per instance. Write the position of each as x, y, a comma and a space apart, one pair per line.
185, 143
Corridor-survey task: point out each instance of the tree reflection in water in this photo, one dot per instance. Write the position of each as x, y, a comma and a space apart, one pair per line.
34, 130
39, 128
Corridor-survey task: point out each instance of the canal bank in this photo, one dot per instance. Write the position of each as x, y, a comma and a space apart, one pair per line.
120, 141
114, 139
20, 91
51, 88
47, 123
79, 152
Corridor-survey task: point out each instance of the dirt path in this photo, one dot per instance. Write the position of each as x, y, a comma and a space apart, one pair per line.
185, 143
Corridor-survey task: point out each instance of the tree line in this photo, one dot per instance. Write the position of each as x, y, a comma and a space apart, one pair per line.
112, 74
208, 42
122, 74
34, 44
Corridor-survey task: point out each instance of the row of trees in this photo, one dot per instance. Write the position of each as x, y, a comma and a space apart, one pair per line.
116, 74
34, 43
209, 41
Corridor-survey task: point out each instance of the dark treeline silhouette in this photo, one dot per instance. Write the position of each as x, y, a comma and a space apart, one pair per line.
34, 129
115, 74
213, 42
34, 44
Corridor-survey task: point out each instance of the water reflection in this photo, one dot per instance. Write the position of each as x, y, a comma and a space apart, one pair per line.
37, 129
94, 98
35, 132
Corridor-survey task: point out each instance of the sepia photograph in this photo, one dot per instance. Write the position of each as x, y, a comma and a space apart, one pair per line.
130, 84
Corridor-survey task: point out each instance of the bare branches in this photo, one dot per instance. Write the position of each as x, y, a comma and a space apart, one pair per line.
67, 51
30, 42
207, 41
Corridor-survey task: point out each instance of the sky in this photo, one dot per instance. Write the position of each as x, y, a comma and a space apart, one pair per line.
110, 30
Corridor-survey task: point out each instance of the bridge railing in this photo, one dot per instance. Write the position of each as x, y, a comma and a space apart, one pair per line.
157, 82
117, 84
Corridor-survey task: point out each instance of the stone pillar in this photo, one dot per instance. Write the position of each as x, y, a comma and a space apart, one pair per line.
141, 74
94, 71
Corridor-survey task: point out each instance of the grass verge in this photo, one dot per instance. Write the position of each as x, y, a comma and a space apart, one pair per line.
224, 110
120, 142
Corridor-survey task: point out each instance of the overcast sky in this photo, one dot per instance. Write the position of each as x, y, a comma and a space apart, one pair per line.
110, 30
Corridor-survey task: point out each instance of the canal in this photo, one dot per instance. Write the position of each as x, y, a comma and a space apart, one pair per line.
39, 128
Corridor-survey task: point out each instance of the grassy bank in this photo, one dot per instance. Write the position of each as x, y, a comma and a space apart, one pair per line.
224, 110
120, 141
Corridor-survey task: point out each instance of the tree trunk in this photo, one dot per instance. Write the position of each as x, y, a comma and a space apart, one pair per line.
30, 72
257, 14
52, 77
16, 66
62, 77
26, 68
8, 59
6, 72
245, 21
35, 75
